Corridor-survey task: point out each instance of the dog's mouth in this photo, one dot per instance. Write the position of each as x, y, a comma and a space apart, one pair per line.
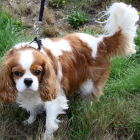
28, 89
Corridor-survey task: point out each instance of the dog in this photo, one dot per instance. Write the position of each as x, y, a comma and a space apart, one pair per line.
39, 80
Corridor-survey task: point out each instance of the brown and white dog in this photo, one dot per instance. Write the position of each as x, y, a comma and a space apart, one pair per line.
39, 80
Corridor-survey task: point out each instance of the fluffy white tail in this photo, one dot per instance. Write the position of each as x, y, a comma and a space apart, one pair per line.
121, 25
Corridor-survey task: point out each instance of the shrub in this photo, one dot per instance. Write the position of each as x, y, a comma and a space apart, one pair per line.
77, 19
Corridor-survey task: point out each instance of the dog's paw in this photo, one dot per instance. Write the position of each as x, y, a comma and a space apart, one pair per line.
25, 122
30, 120
48, 136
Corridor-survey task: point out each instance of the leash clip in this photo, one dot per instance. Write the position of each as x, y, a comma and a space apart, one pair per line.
37, 28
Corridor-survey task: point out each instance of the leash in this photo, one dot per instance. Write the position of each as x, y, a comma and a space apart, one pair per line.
37, 28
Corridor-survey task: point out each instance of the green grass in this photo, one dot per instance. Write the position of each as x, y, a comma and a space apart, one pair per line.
116, 115
11, 32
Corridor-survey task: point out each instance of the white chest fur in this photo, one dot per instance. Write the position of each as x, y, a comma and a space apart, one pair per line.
29, 100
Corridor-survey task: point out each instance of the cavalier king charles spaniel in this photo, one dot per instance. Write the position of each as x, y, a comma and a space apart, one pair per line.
39, 80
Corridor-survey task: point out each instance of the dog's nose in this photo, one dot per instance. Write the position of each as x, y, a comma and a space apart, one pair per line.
28, 82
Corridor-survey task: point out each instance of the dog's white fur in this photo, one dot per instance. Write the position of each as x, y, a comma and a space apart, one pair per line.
121, 17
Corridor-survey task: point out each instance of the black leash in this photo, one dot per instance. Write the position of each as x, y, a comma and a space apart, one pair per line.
40, 22
41, 10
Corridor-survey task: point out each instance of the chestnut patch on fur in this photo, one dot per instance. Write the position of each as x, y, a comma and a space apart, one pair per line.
79, 65
37, 70
47, 79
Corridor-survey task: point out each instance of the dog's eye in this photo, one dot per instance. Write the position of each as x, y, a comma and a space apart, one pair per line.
17, 73
37, 72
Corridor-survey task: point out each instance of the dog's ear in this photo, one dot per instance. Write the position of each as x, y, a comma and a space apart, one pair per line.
48, 85
8, 91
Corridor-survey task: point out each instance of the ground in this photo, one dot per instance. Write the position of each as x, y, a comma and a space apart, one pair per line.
54, 20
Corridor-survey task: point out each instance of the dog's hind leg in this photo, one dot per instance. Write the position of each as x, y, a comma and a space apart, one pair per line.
93, 89
88, 90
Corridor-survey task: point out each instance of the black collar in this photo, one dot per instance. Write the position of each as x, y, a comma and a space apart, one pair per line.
39, 43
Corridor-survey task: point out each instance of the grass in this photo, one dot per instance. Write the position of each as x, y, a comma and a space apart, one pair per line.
115, 116
11, 32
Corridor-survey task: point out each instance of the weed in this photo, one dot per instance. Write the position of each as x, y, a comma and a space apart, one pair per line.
77, 19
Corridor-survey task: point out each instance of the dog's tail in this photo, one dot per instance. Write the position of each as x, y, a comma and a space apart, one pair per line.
120, 30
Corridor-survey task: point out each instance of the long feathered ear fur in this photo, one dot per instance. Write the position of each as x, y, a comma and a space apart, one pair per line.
8, 91
48, 85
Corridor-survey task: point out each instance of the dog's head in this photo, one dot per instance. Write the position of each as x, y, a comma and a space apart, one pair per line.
25, 70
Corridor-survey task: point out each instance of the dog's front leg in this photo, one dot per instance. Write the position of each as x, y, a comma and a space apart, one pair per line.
53, 109
31, 118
